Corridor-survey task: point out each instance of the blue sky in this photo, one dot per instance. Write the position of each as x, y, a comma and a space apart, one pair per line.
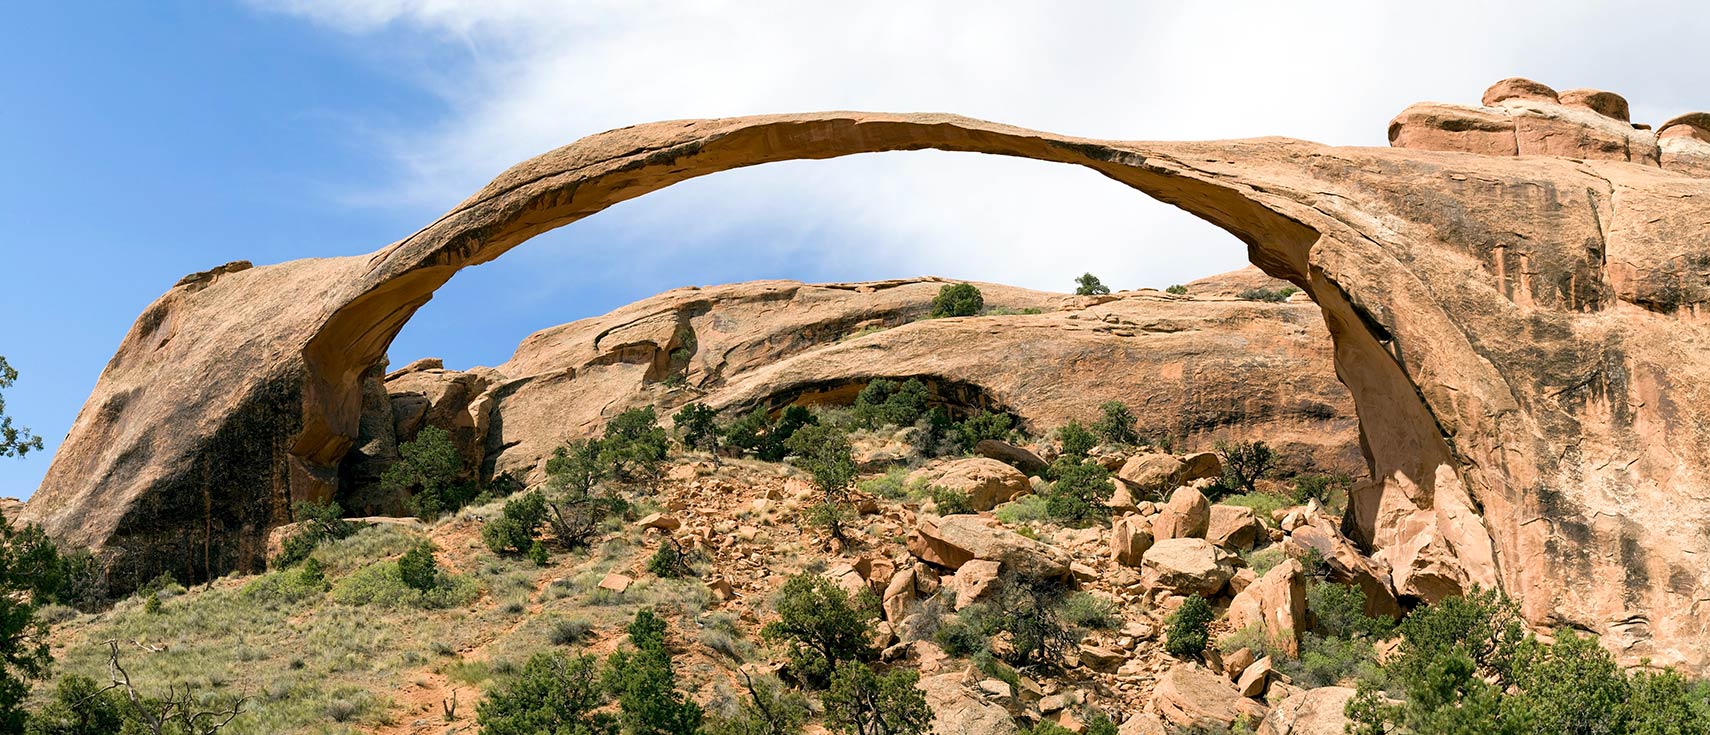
144, 141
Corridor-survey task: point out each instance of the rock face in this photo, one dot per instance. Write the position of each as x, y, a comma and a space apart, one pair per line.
1512, 291
1189, 695
1276, 604
1311, 712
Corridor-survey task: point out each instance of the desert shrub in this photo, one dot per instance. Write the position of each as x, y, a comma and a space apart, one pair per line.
382, 584
1025, 509
418, 569
79, 707
538, 554
1116, 424
645, 683
1244, 463
1089, 285
634, 445
889, 403
893, 484
512, 533
951, 502
1075, 440
1079, 492
1331, 491
1176, 289
555, 694
757, 433
698, 427
1264, 559
1086, 610
1268, 294
307, 580
984, 425
318, 523
569, 631
861, 702
1467, 664
960, 299
820, 627
1008, 311
769, 708
825, 453
1339, 611
427, 473
671, 561
1028, 613
964, 635
573, 505
1254, 638
1326, 661
1187, 630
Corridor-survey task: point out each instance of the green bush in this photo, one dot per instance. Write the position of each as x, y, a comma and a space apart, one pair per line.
697, 425
951, 502
861, 702
1117, 424
512, 533
825, 453
1266, 294
1029, 614
426, 472
670, 561
961, 299
1339, 611
79, 707
573, 505
634, 445
1078, 494
645, 683
306, 581
820, 627
769, 709
1089, 285
1176, 289
1329, 661
1075, 440
1188, 629
418, 569
889, 403
555, 694
1086, 610
757, 433
984, 425
1331, 491
1022, 510
1467, 664
891, 485
382, 584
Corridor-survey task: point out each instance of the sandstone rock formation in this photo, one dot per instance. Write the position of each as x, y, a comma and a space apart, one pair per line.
1512, 291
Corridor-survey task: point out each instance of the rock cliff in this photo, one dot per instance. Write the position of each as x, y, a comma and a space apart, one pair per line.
1518, 326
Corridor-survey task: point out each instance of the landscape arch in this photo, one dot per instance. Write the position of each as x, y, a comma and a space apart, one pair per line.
1458, 287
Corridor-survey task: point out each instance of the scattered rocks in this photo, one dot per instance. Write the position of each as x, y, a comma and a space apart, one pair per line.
1254, 678
975, 582
1102, 658
660, 521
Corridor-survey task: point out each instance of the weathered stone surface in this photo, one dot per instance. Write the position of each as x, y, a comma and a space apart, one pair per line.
1130, 537
1254, 678
956, 540
1347, 564
1011, 455
1187, 515
956, 711
1312, 712
1151, 473
1276, 603
1187, 566
1144, 723
899, 597
1232, 527
987, 482
1190, 695
975, 581
1520, 333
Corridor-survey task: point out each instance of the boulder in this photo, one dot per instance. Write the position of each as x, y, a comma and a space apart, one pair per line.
1143, 723
956, 540
660, 521
899, 597
957, 711
1276, 603
1232, 527
987, 482
1190, 695
1012, 455
1186, 566
975, 581
1130, 537
615, 582
1150, 472
1187, 515
1102, 658
1311, 712
1254, 678
1347, 565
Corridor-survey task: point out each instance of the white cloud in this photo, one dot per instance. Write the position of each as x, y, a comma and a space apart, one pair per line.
531, 75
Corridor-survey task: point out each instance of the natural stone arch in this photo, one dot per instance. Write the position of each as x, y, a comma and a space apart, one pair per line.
1466, 291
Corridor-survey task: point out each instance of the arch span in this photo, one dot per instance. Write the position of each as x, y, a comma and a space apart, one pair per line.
1467, 295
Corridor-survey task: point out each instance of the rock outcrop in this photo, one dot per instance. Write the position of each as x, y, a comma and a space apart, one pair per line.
1513, 292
